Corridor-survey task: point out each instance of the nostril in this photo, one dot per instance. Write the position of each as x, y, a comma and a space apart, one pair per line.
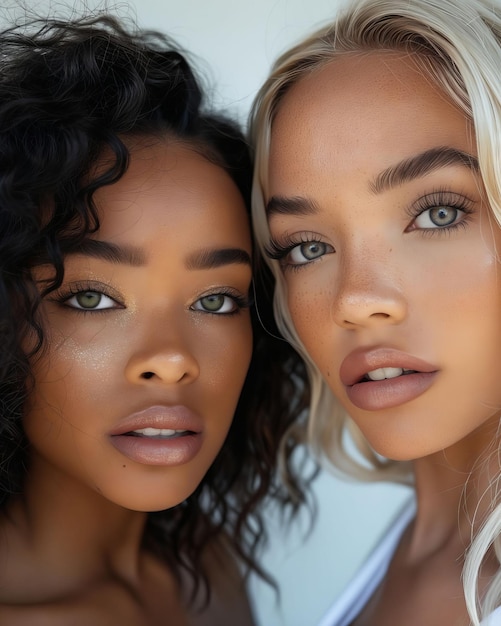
147, 375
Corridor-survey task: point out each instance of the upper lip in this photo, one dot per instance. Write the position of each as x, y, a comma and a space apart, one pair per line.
356, 365
174, 417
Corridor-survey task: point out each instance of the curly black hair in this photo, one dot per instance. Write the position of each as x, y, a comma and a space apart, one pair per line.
69, 91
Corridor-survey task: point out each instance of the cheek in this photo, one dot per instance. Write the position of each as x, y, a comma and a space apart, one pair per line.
227, 360
310, 313
474, 323
50, 407
77, 371
222, 347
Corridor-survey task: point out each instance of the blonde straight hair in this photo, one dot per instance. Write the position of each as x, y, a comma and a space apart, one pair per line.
458, 45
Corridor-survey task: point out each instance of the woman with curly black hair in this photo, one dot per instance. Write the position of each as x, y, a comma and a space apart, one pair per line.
131, 468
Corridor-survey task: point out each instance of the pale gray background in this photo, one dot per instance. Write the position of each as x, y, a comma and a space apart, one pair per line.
234, 44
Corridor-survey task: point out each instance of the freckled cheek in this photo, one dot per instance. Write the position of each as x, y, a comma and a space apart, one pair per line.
310, 311
470, 290
475, 313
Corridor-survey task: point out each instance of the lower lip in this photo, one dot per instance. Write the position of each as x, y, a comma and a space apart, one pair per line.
375, 395
150, 451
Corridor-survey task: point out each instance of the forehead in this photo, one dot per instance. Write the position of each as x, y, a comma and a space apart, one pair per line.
172, 184
361, 103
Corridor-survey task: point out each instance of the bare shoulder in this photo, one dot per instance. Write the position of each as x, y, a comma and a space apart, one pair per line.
229, 603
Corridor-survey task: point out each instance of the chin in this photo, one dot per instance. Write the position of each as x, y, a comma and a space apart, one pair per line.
398, 449
151, 496
145, 504
404, 453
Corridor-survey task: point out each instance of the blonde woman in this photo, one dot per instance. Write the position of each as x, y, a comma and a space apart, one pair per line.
377, 201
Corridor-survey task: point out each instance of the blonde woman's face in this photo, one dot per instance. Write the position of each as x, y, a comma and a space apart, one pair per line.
388, 250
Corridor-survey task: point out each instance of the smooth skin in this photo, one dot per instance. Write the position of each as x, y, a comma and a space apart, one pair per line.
155, 326
387, 264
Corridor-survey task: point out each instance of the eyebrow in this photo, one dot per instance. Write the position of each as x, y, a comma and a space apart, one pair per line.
110, 252
131, 255
420, 165
211, 258
405, 171
278, 205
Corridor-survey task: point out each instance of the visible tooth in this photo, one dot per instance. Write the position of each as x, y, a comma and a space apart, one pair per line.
385, 372
155, 432
150, 432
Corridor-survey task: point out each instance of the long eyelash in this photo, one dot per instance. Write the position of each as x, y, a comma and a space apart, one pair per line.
68, 291
442, 197
279, 250
242, 302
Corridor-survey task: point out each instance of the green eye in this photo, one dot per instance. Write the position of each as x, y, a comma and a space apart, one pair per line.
213, 303
218, 303
90, 301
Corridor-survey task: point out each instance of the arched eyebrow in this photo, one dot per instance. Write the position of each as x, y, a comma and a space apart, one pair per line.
279, 205
211, 258
106, 251
134, 256
420, 165
405, 171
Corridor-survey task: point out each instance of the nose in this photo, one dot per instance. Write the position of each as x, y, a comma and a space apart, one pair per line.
368, 293
165, 358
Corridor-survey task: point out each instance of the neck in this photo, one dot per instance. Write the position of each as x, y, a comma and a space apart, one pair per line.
73, 528
454, 490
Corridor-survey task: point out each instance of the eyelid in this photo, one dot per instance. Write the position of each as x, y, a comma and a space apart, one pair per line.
76, 306
279, 247
282, 251
241, 301
441, 197
69, 290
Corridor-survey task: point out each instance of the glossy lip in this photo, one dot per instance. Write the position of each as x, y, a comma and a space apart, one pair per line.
176, 417
387, 393
356, 365
171, 451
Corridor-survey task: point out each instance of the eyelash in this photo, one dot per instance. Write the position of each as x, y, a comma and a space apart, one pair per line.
66, 293
438, 198
241, 302
277, 251
280, 250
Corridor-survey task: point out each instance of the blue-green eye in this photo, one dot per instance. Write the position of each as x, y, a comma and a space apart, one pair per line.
90, 301
308, 251
438, 217
298, 249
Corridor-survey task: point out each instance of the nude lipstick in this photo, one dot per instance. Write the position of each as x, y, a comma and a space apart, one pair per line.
383, 378
159, 435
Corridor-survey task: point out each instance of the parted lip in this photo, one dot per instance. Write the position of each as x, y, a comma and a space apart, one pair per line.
362, 360
176, 417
